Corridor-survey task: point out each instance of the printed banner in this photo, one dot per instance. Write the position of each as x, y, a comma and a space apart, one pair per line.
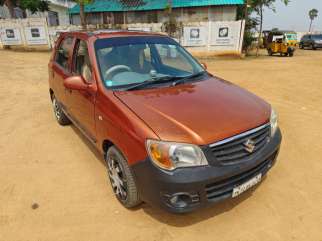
195, 36
10, 36
36, 35
225, 33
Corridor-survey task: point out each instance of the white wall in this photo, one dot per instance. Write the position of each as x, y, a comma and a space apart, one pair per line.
63, 15
223, 13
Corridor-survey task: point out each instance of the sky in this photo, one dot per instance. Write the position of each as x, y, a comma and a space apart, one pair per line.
294, 16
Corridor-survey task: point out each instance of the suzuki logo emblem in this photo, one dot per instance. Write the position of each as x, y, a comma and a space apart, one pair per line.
249, 145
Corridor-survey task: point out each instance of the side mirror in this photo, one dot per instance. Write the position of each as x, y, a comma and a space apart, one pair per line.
204, 65
75, 83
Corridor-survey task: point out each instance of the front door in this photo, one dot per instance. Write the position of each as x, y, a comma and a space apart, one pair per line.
81, 103
60, 69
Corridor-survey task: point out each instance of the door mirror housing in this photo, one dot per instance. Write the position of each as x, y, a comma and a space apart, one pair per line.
204, 65
75, 83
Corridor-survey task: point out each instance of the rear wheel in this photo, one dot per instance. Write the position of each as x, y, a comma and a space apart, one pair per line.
121, 178
61, 118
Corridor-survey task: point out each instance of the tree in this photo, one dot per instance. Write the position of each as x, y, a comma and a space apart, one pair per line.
82, 13
10, 5
171, 24
244, 12
313, 13
32, 5
259, 6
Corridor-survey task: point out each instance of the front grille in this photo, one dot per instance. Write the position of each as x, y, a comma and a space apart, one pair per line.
222, 189
234, 149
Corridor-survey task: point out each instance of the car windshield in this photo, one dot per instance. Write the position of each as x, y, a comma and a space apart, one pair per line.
291, 36
128, 61
317, 37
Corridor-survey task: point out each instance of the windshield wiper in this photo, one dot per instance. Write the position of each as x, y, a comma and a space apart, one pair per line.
152, 81
175, 79
184, 79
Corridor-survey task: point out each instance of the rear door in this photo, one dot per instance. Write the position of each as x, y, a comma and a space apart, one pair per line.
81, 103
61, 68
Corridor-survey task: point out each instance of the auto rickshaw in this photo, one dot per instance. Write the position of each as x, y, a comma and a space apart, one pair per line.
281, 42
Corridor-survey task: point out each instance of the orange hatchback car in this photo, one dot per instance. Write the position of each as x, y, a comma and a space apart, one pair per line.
172, 134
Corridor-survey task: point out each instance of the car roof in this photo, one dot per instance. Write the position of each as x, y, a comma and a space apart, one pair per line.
110, 33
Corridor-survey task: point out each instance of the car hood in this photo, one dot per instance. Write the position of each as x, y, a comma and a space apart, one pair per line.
200, 112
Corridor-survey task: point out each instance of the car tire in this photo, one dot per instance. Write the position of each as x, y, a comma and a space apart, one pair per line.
60, 116
121, 178
313, 47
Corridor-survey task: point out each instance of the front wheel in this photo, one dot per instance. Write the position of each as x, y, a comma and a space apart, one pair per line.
121, 178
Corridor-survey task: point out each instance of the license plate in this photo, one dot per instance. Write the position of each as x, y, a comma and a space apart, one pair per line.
247, 185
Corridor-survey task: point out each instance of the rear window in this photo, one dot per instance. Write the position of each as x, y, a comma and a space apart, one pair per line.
305, 37
317, 37
63, 52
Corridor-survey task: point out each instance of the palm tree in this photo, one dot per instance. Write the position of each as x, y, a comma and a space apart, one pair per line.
313, 13
82, 13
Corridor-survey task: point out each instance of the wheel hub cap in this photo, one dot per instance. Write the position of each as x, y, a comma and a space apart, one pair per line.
117, 180
56, 109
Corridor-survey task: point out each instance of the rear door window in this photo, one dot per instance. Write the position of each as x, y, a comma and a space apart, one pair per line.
63, 52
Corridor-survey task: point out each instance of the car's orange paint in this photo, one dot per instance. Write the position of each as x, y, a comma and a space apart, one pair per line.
199, 113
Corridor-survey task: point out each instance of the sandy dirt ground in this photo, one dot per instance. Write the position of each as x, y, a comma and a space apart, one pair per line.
53, 184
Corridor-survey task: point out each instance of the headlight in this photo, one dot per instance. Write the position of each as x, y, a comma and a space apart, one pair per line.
170, 155
274, 122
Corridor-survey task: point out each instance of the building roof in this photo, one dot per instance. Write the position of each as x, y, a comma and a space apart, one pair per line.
116, 6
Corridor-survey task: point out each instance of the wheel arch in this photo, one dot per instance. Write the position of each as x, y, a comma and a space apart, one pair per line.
51, 93
107, 144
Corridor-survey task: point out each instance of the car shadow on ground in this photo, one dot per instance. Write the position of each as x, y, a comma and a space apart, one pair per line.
178, 220
91, 147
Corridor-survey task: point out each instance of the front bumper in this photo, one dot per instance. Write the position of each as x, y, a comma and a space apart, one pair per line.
200, 186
